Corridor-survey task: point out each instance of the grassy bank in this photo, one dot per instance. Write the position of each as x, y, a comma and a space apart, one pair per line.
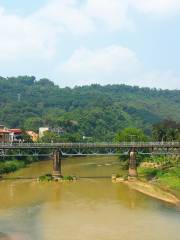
12, 165
163, 171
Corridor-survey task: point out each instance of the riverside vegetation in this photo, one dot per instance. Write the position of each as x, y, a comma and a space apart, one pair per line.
8, 165
49, 178
161, 170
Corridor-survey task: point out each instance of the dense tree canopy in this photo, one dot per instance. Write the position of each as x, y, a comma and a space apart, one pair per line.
92, 111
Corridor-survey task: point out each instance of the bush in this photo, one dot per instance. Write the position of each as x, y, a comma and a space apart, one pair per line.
69, 178
46, 178
124, 164
149, 173
11, 166
119, 175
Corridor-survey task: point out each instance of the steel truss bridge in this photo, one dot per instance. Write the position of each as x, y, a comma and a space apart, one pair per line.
59, 150
88, 149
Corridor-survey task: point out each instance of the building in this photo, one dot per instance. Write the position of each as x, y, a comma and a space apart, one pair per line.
6, 136
42, 130
34, 136
17, 134
10, 135
58, 130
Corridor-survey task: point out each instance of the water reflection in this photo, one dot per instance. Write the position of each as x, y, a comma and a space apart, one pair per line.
15, 236
87, 209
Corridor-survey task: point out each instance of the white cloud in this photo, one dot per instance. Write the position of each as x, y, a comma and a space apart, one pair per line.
38, 35
114, 13
68, 14
166, 79
24, 38
112, 64
158, 7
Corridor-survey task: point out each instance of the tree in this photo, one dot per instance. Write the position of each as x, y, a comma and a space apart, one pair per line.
167, 130
131, 135
93, 111
33, 123
49, 137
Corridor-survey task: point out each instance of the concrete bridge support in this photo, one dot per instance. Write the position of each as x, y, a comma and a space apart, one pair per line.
132, 164
57, 157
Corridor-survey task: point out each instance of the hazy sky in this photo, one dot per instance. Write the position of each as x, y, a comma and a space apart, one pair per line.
77, 42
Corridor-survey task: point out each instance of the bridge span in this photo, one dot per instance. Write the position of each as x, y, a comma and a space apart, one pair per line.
59, 150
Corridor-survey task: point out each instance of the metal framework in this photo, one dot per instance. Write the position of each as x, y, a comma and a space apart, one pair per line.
58, 150
89, 149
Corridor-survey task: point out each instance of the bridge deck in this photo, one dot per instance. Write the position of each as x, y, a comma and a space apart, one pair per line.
89, 145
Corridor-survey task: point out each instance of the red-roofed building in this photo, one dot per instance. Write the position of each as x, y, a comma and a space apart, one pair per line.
6, 135
17, 134
10, 135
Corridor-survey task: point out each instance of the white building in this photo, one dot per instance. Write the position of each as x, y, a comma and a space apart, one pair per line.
42, 130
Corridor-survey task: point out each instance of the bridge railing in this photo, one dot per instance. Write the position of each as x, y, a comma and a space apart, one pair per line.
90, 145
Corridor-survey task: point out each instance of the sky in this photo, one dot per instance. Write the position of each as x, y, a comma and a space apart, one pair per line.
80, 42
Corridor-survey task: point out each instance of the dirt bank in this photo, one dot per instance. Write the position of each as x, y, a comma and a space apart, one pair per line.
150, 189
153, 191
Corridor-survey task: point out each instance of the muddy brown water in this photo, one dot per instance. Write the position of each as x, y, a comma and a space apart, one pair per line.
93, 208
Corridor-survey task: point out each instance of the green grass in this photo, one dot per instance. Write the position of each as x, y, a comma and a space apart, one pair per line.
69, 178
148, 173
11, 166
45, 178
169, 177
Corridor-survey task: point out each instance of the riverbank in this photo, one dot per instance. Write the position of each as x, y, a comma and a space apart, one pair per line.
13, 165
153, 191
149, 189
158, 177
167, 178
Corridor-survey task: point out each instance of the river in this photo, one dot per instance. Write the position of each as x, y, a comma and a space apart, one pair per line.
92, 208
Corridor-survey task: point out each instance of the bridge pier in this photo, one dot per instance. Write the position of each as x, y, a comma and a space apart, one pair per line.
132, 164
57, 157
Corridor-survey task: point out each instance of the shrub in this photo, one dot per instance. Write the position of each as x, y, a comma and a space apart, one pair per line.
46, 178
149, 173
69, 178
11, 166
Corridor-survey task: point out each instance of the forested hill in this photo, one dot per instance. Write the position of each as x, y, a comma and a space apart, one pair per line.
95, 110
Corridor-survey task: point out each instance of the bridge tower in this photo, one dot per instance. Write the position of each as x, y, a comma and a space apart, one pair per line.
57, 157
132, 163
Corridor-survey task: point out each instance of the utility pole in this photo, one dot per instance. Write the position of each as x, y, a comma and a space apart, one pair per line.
19, 97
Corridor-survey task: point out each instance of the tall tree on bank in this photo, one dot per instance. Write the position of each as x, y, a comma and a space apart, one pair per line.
166, 130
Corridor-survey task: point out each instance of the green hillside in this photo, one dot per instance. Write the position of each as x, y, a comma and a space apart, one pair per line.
95, 110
